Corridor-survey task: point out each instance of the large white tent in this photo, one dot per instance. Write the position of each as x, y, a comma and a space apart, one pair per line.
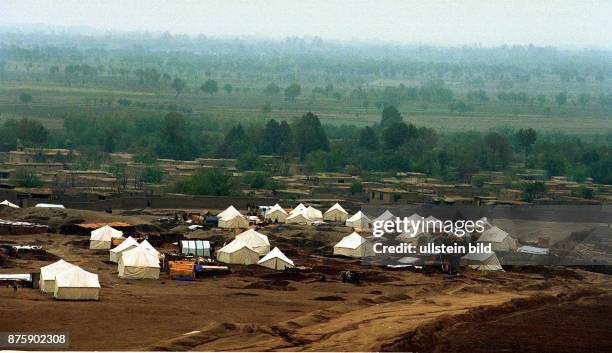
138, 263
335, 214
76, 284
352, 245
148, 247
234, 222
482, 261
255, 240
313, 214
298, 218
46, 283
385, 216
359, 221
276, 260
231, 210
9, 204
127, 244
237, 252
231, 219
276, 214
101, 238
499, 239
298, 209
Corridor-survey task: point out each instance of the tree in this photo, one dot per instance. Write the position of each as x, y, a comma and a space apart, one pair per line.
235, 143
390, 115
25, 98
561, 98
499, 150
460, 107
397, 134
210, 86
215, 182
584, 99
228, 88
368, 139
272, 89
293, 91
175, 140
526, 138
356, 188
179, 85
28, 131
309, 135
533, 190
151, 174
248, 161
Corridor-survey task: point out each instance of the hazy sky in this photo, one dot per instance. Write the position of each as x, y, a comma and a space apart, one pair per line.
486, 22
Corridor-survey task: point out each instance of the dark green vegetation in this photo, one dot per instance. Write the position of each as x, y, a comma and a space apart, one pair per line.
459, 110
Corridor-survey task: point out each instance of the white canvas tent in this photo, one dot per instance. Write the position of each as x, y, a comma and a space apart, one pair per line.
298, 218
482, 261
385, 216
49, 205
335, 214
298, 209
352, 245
9, 204
101, 237
138, 263
127, 244
76, 284
148, 247
276, 214
313, 214
486, 223
232, 219
237, 252
234, 222
230, 211
359, 221
46, 282
499, 239
255, 240
276, 260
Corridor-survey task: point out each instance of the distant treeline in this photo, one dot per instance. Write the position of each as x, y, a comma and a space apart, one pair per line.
389, 146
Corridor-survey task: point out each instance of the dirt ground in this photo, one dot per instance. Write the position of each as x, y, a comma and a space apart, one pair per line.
256, 309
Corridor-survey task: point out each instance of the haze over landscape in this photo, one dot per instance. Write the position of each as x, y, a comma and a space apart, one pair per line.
556, 23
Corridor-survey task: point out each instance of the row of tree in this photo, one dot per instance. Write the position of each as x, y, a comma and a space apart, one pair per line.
391, 145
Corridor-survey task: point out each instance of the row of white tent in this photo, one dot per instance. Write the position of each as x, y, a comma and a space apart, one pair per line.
306, 215
247, 248
134, 260
498, 238
69, 282
354, 245
40, 205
